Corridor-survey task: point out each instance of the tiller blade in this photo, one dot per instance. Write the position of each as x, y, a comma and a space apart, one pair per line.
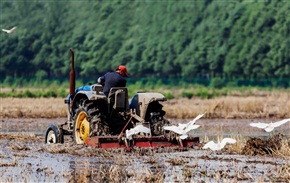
143, 142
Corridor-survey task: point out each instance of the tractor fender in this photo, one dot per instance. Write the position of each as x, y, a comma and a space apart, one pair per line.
89, 90
90, 95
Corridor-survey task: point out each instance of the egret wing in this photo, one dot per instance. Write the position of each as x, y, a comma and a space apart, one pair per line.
195, 119
137, 129
259, 125
129, 134
278, 123
141, 128
182, 126
269, 128
210, 145
190, 128
184, 136
227, 141
175, 129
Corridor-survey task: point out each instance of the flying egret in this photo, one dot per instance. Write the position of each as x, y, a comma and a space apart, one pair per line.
219, 145
183, 129
268, 127
137, 129
9, 31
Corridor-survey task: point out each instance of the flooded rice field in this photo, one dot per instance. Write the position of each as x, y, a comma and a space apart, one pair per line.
25, 158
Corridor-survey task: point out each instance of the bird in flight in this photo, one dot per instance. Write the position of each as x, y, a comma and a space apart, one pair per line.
183, 129
137, 129
268, 127
9, 31
220, 144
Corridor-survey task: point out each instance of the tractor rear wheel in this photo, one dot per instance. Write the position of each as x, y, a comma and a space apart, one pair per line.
82, 121
54, 135
81, 127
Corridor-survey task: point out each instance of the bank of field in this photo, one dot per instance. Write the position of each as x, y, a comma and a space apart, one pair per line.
274, 104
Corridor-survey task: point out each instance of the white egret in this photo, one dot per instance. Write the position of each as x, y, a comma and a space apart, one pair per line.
268, 127
219, 145
9, 31
137, 129
183, 129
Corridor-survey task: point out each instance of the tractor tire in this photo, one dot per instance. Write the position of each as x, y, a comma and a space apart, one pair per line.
157, 127
82, 121
54, 135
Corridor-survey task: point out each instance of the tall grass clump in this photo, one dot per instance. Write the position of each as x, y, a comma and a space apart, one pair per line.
203, 93
217, 83
168, 95
49, 93
187, 94
27, 93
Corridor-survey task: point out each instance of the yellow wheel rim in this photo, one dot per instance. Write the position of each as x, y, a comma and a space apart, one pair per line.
82, 128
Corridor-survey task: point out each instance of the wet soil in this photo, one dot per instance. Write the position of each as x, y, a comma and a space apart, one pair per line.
25, 158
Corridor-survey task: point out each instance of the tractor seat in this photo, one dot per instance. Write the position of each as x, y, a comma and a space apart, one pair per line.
118, 99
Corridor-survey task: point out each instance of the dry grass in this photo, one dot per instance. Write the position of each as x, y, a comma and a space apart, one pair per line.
176, 161
13, 162
237, 148
240, 145
284, 151
32, 107
272, 104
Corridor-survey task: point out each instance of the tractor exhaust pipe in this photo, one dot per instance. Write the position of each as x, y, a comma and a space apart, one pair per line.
72, 76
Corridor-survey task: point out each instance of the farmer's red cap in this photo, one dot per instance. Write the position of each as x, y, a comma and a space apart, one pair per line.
123, 69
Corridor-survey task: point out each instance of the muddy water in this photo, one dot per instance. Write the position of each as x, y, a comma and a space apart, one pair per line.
24, 157
209, 127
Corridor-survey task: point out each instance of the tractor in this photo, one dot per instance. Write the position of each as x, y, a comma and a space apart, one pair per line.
97, 120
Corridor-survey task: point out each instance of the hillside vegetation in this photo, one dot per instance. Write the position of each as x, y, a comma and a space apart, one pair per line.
154, 39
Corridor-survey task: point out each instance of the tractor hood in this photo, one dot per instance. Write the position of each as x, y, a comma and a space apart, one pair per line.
140, 102
146, 98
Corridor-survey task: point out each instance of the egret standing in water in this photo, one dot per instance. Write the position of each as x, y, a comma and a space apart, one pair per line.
268, 127
219, 145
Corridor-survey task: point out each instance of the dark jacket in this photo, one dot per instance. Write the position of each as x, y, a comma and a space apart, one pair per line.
111, 79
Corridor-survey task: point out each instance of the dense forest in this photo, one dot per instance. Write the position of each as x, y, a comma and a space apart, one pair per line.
153, 38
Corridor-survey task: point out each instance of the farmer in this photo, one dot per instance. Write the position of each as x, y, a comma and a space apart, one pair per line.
113, 79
